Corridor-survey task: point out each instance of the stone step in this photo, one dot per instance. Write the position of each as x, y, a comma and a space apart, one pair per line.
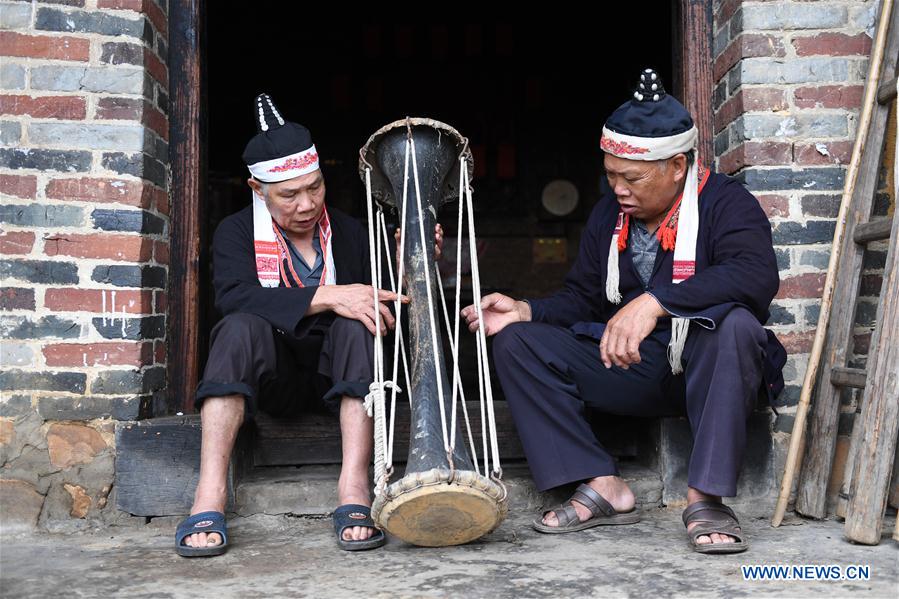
312, 490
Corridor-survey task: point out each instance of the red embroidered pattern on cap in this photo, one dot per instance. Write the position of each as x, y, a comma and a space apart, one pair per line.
295, 163
620, 147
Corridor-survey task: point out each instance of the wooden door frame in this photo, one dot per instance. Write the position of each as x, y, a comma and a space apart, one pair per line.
692, 40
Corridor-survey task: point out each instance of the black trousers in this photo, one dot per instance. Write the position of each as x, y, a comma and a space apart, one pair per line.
549, 375
282, 375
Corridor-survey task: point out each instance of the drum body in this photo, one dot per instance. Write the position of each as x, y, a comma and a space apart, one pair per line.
440, 500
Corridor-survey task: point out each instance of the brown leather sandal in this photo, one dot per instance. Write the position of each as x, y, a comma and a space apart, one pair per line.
601, 513
714, 517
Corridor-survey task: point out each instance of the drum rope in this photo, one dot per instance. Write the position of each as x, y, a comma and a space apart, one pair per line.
428, 282
374, 400
457, 379
485, 385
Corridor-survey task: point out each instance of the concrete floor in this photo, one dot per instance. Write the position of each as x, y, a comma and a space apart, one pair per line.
282, 556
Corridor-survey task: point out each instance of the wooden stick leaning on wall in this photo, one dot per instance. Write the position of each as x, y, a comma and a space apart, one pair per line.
797, 437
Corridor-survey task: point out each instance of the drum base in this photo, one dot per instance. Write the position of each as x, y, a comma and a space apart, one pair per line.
437, 514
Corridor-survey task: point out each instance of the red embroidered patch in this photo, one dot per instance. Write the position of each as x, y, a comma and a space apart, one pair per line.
682, 269
266, 264
358, 516
295, 163
620, 147
203, 524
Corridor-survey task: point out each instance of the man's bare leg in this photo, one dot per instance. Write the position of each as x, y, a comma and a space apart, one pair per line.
694, 495
221, 418
356, 431
612, 488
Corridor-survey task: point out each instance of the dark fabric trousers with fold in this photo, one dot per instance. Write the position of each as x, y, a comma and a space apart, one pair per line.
549, 375
282, 375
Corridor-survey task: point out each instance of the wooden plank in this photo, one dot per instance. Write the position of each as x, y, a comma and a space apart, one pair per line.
157, 466
315, 438
187, 151
848, 377
893, 499
873, 231
822, 425
876, 451
886, 93
694, 80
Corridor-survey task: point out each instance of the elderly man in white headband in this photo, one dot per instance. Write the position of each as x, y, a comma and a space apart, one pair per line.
661, 314
292, 279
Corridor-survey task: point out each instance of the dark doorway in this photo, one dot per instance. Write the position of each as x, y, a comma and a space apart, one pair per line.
531, 98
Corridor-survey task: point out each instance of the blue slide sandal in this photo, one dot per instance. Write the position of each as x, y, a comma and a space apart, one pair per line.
203, 522
350, 515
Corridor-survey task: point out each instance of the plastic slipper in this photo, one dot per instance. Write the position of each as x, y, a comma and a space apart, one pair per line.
350, 515
601, 513
203, 522
714, 517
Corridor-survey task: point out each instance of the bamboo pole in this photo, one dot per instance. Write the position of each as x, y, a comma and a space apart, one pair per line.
797, 437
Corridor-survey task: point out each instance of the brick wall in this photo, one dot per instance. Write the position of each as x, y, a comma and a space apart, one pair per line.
790, 80
84, 243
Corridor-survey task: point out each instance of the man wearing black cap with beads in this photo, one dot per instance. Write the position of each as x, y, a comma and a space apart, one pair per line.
292, 279
661, 314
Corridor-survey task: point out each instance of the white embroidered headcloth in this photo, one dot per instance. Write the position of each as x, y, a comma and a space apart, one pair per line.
280, 150
653, 125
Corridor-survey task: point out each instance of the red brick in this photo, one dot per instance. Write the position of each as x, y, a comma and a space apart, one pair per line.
161, 201
159, 352
156, 121
829, 96
838, 152
130, 248
797, 342
161, 302
747, 45
775, 205
727, 9
161, 252
16, 242
99, 354
156, 15
135, 5
156, 67
763, 99
19, 186
809, 285
833, 44
756, 153
45, 107
87, 189
148, 7
43, 46
125, 109
91, 300
14, 298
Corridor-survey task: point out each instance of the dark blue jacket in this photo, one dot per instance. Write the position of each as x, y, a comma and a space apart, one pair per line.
735, 266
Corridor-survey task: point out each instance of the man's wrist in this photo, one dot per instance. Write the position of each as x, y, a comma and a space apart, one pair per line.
658, 310
321, 300
524, 310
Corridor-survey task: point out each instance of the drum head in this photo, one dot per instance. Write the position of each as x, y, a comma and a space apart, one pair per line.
437, 508
438, 150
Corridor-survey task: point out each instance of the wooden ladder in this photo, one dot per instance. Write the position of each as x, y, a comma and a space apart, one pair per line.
873, 446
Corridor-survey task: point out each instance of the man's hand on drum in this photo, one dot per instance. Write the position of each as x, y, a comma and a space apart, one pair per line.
438, 242
357, 302
499, 310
